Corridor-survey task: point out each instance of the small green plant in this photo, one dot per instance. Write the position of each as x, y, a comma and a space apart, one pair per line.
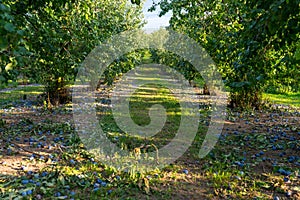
2, 123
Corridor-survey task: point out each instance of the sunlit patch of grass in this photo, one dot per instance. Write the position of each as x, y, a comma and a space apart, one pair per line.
140, 103
292, 99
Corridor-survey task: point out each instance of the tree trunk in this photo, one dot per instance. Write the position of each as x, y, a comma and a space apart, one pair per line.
205, 90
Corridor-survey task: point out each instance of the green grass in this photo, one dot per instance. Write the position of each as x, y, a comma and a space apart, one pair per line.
141, 102
292, 99
18, 93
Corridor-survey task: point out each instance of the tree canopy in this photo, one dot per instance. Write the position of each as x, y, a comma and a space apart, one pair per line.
254, 43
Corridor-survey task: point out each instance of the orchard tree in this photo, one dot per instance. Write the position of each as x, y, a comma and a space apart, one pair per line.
61, 33
13, 49
252, 42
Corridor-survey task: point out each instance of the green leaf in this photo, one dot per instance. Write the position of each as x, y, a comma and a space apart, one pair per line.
4, 8
297, 53
20, 32
2, 78
61, 179
260, 78
3, 43
240, 84
49, 184
9, 27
